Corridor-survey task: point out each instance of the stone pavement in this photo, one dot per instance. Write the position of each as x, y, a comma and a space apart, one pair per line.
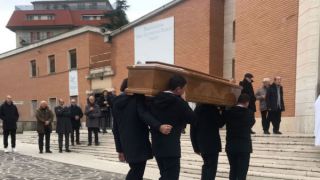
290, 156
15, 166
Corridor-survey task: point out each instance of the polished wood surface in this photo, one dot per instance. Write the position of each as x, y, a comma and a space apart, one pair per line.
153, 77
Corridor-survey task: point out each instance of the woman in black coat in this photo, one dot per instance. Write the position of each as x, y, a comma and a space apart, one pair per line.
205, 138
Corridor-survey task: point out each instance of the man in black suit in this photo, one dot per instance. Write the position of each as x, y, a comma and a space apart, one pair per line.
238, 139
247, 88
131, 131
169, 108
275, 104
205, 138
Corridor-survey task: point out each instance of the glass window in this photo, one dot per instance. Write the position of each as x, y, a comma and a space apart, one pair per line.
52, 64
33, 67
34, 106
73, 59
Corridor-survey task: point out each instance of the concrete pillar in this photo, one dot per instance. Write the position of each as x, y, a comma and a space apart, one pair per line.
307, 76
229, 47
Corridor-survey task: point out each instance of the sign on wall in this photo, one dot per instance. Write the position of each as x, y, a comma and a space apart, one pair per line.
73, 83
155, 41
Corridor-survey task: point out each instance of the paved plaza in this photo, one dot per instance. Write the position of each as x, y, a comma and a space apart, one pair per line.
15, 166
286, 157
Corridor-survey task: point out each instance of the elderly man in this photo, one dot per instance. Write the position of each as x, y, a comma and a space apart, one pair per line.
76, 115
261, 96
64, 127
275, 104
44, 125
9, 115
93, 114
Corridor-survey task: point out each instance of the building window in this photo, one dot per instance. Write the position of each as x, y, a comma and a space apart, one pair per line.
39, 17
52, 103
234, 31
34, 107
52, 64
49, 34
38, 36
81, 6
73, 59
233, 68
33, 67
92, 17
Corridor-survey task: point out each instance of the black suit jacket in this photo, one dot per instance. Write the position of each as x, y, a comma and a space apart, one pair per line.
239, 123
173, 110
272, 98
204, 133
248, 89
130, 127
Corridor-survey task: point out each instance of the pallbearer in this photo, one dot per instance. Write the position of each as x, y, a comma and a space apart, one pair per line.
169, 108
131, 132
238, 140
44, 125
205, 138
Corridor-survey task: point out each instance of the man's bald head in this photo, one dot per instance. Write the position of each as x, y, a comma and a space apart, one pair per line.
9, 99
43, 104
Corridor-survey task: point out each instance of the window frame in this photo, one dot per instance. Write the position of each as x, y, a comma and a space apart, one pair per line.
32, 71
70, 59
49, 64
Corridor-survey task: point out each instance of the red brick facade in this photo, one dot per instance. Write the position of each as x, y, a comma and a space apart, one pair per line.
193, 29
15, 71
266, 43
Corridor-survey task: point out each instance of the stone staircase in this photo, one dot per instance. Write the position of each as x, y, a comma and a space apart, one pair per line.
291, 157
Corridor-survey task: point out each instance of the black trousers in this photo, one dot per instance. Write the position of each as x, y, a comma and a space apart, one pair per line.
77, 132
265, 120
275, 118
12, 133
169, 168
136, 171
47, 137
96, 135
104, 121
60, 140
239, 165
210, 165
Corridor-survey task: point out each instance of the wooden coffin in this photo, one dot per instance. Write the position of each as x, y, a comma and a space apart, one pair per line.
153, 77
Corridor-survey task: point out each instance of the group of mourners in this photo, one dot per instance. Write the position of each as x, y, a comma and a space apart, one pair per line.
68, 121
166, 115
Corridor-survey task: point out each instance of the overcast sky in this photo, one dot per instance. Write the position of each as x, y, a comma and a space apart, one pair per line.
7, 38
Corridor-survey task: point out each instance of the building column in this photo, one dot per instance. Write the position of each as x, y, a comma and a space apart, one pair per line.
229, 46
307, 76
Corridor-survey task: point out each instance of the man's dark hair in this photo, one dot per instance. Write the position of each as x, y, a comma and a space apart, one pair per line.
243, 98
124, 85
176, 81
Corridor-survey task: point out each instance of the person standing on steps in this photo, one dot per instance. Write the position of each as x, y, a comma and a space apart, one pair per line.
93, 114
247, 88
10, 116
76, 115
261, 96
64, 126
44, 125
275, 104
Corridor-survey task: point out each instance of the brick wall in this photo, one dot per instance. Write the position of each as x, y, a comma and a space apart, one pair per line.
15, 71
266, 43
192, 39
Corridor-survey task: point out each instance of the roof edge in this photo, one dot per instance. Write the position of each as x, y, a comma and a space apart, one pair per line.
145, 17
51, 40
